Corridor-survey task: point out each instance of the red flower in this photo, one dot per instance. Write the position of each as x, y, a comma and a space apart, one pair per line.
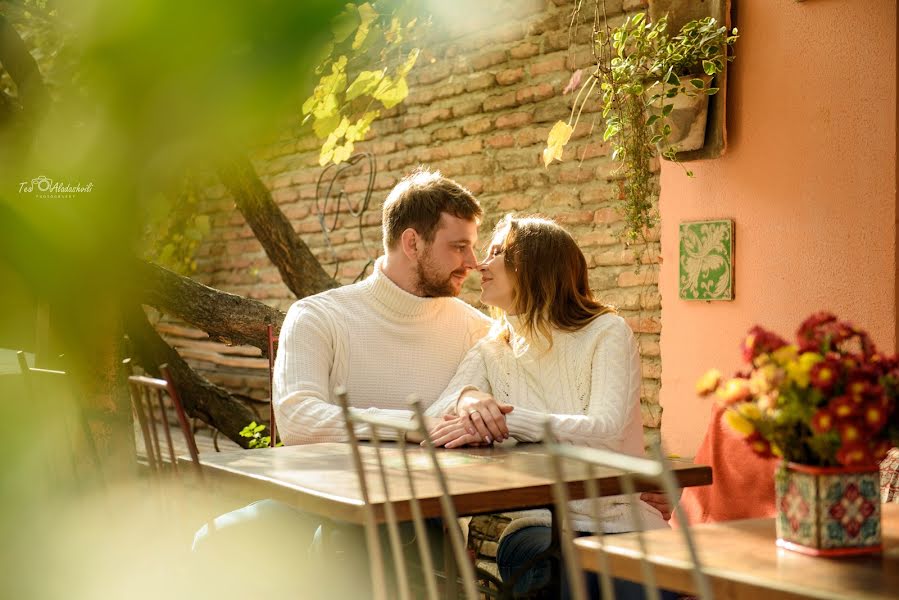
822, 421
875, 416
760, 341
843, 407
809, 335
854, 454
850, 432
824, 375
759, 445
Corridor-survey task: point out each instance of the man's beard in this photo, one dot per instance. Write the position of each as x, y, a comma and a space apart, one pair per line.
431, 284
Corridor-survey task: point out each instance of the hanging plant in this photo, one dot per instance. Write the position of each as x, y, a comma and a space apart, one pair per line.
639, 73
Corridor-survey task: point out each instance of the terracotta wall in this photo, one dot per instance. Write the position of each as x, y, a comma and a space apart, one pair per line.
810, 180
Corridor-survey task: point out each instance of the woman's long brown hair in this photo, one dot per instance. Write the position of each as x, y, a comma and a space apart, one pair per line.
550, 285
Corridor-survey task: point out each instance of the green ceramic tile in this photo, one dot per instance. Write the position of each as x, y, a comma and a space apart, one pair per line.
706, 260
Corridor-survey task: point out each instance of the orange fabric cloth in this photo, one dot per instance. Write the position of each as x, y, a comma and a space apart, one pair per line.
743, 483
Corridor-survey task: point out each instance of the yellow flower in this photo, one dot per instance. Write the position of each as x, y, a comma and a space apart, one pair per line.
708, 383
798, 370
734, 390
785, 354
764, 379
749, 410
738, 423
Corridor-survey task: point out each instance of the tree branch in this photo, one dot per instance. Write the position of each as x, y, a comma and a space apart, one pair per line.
23, 69
202, 398
228, 318
299, 269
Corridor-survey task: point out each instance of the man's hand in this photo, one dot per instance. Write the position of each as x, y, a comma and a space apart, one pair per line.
483, 415
658, 501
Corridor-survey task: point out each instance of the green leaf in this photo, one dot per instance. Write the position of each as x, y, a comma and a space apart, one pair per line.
345, 23
365, 83
709, 67
611, 130
697, 83
712, 91
655, 139
672, 79
652, 119
666, 110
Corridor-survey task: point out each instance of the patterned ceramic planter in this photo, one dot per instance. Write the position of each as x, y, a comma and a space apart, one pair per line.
828, 511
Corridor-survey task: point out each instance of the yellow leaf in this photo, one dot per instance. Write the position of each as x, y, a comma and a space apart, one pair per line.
365, 83
323, 127
391, 92
410, 62
342, 153
555, 143
367, 14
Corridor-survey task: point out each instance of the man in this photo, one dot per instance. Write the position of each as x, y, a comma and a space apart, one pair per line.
398, 332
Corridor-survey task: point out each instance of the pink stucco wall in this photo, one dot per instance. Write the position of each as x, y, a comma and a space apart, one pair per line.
810, 181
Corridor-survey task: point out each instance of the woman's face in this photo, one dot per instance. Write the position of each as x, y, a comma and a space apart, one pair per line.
496, 285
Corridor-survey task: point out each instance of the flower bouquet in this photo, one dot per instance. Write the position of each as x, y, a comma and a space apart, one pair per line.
827, 406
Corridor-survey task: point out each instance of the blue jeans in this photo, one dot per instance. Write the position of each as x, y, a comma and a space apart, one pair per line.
519, 547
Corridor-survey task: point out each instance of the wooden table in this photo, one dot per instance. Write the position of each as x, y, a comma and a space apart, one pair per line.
743, 562
319, 478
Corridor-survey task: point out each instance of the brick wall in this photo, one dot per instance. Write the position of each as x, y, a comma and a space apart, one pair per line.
480, 108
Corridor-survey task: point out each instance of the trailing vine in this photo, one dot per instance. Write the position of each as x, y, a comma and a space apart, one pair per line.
639, 69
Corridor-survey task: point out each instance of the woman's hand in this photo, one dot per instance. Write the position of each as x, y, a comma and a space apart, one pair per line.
483, 415
452, 432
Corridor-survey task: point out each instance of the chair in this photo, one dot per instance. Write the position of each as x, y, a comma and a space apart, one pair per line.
399, 429
63, 425
148, 403
271, 382
655, 470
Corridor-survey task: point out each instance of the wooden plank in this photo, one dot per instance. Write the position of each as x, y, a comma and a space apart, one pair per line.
210, 346
743, 562
320, 478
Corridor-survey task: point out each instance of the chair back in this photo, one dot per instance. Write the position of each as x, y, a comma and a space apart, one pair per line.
655, 470
148, 400
272, 341
64, 434
376, 428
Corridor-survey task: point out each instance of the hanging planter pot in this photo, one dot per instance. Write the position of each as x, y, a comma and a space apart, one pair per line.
688, 115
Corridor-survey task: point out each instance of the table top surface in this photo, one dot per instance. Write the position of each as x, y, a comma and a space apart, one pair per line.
320, 478
743, 561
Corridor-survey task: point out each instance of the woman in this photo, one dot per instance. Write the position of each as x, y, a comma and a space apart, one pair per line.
554, 352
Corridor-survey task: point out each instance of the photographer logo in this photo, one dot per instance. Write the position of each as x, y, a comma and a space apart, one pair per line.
44, 187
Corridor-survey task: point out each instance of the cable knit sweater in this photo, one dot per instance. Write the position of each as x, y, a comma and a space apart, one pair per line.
378, 341
587, 384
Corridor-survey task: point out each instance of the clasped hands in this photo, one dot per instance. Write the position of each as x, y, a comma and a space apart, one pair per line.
479, 420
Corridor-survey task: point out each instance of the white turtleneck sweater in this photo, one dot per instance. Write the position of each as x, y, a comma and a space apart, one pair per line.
587, 384
378, 341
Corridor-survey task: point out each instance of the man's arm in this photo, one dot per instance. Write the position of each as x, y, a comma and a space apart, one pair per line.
307, 350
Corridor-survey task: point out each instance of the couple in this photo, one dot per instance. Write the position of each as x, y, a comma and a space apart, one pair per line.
551, 349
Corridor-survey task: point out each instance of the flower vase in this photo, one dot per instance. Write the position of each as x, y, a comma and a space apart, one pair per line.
828, 511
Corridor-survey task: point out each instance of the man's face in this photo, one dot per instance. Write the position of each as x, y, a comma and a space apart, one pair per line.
444, 263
